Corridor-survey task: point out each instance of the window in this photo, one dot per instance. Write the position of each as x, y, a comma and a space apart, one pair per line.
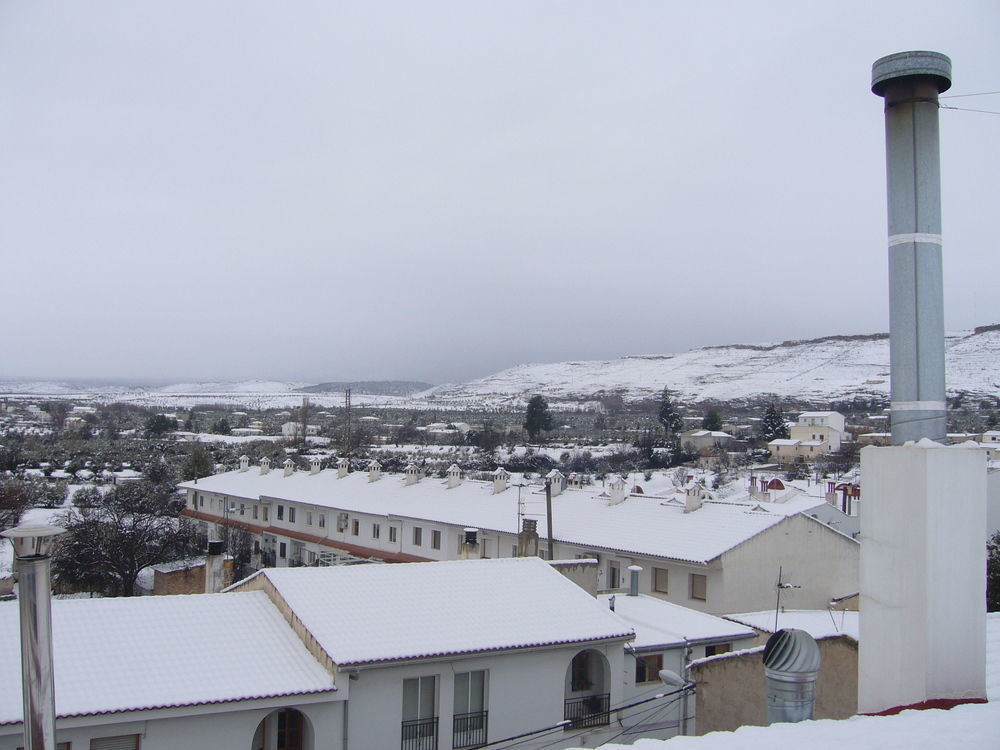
660, 576
698, 585
513, 550
281, 512
392, 533
376, 531
309, 518
201, 501
418, 536
435, 539
419, 712
255, 511
281, 550
266, 513
647, 668
469, 728
355, 527
291, 514
122, 742
322, 520
243, 509
718, 648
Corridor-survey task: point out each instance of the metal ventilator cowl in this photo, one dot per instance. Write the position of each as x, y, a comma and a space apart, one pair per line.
791, 663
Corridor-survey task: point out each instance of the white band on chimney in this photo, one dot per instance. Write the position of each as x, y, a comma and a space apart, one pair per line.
919, 406
911, 237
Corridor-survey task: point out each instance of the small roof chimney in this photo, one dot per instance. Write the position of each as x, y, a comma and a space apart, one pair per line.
374, 471
289, 467
244, 462
616, 491
557, 480
454, 476
412, 474
314, 464
694, 497
343, 467
265, 465
500, 478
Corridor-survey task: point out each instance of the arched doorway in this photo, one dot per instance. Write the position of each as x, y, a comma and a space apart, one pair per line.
587, 691
283, 729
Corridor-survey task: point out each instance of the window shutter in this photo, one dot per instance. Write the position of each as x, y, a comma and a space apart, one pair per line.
122, 742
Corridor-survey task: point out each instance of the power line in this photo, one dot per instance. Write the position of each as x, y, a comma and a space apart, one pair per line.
959, 96
966, 109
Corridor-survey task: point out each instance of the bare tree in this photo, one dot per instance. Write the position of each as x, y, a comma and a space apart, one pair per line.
133, 526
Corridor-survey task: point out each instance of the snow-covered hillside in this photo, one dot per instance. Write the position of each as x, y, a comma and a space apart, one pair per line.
814, 371
817, 370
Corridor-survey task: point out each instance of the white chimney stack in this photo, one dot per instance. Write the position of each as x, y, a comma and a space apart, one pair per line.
244, 462
500, 478
314, 464
265, 465
412, 474
616, 491
343, 467
289, 467
214, 574
694, 498
557, 480
454, 476
374, 471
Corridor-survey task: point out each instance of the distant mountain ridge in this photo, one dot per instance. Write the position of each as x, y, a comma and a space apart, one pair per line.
370, 387
815, 371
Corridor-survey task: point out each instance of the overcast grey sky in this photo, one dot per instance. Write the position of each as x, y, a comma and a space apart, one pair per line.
438, 190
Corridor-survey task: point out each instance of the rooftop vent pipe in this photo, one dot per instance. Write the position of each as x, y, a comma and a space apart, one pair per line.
791, 663
32, 550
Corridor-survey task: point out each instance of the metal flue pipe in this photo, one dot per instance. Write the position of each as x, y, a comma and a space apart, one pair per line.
910, 83
32, 551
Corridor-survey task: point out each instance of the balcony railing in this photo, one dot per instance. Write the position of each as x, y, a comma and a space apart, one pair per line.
469, 730
420, 734
588, 711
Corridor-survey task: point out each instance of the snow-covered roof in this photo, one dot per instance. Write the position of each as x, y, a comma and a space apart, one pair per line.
362, 614
817, 414
660, 623
783, 441
640, 524
819, 623
147, 652
969, 727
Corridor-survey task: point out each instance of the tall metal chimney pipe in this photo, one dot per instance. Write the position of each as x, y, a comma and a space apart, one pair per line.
910, 83
633, 583
32, 550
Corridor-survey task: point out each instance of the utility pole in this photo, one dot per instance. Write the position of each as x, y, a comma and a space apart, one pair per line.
347, 421
304, 417
548, 517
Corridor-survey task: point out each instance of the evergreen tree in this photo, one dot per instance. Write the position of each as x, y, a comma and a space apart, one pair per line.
711, 420
993, 573
197, 464
772, 425
668, 415
537, 418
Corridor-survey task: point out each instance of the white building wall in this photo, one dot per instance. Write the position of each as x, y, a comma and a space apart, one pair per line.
525, 691
229, 726
822, 561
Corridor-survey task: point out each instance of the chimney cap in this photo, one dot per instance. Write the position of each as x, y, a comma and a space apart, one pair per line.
919, 63
33, 539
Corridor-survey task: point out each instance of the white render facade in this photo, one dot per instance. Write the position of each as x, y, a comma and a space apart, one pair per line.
712, 556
